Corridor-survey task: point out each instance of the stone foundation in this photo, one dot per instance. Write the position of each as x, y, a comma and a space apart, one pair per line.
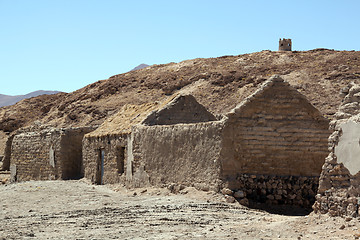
278, 190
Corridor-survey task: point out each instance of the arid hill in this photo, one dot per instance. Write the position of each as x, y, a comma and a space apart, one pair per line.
218, 83
7, 100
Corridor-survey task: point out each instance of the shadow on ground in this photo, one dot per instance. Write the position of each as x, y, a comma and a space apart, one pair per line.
287, 210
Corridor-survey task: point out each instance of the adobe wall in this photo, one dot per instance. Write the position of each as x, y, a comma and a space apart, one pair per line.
47, 154
71, 152
3, 138
339, 184
276, 134
7, 152
110, 145
181, 154
30, 155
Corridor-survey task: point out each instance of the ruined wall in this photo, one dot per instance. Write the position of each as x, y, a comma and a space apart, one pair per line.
30, 155
285, 44
47, 154
3, 137
184, 109
7, 152
339, 184
275, 132
91, 157
182, 154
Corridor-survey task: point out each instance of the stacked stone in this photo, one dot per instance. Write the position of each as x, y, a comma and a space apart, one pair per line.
275, 190
339, 191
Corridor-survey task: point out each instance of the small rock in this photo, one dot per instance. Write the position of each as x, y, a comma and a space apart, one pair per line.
342, 227
278, 197
227, 191
31, 234
348, 219
229, 199
239, 194
184, 192
244, 202
271, 197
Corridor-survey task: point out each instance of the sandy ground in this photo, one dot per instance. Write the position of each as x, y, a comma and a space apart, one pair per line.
79, 210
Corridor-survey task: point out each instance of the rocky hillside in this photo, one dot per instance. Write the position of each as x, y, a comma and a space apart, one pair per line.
218, 83
7, 100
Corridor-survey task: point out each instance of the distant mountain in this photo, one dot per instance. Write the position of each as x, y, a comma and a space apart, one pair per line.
6, 100
141, 66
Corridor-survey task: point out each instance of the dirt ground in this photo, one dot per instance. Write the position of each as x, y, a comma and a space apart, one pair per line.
79, 210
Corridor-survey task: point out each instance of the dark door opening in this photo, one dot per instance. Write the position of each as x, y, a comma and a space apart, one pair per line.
100, 167
120, 160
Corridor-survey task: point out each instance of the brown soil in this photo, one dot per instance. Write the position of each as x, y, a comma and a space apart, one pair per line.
77, 210
218, 83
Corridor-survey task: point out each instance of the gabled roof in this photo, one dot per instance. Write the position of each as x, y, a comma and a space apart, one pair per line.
121, 123
182, 109
274, 86
157, 113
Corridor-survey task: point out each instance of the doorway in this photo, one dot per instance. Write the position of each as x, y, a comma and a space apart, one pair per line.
120, 160
100, 167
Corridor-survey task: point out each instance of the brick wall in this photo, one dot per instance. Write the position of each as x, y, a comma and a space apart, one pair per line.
48, 154
275, 132
71, 152
111, 146
30, 155
7, 153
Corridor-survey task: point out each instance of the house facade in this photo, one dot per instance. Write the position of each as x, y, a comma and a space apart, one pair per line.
109, 151
47, 154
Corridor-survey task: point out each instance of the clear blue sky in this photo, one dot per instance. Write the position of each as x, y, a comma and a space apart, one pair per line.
66, 44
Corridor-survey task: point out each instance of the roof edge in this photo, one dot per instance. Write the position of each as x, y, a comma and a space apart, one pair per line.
268, 83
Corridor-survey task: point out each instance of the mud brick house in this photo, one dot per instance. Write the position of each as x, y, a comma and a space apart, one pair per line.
272, 146
109, 150
43, 153
339, 185
105, 150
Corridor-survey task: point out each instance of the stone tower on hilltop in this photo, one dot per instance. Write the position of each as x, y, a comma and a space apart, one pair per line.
285, 44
